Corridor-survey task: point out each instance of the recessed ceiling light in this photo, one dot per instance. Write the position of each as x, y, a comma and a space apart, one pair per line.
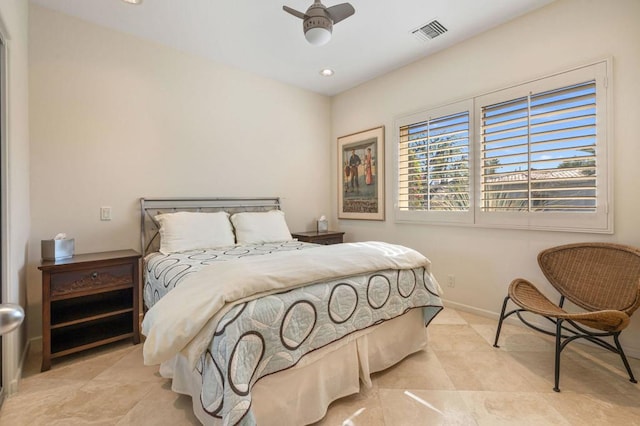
326, 72
132, 1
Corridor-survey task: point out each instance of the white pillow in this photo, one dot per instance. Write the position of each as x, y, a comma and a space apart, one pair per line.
260, 227
184, 231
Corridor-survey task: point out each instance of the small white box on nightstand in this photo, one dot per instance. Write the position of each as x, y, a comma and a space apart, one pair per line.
323, 225
57, 249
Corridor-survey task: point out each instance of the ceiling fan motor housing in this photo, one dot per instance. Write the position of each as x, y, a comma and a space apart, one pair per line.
317, 18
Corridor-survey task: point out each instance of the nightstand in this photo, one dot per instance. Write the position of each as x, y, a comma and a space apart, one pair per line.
326, 237
89, 300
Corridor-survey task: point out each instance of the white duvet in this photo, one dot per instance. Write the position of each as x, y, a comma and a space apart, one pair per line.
184, 320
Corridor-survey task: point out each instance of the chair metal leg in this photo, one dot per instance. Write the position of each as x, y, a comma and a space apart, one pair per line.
624, 358
558, 350
504, 308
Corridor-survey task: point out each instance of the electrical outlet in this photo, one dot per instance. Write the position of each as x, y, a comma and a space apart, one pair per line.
451, 281
105, 213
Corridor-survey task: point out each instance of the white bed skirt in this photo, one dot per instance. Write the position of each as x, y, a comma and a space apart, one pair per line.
300, 395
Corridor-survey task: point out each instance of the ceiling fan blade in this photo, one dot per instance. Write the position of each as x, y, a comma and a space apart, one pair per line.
294, 12
340, 11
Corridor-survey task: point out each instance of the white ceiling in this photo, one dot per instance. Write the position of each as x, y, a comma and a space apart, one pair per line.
258, 36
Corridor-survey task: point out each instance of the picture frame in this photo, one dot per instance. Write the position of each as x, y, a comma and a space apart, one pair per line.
361, 175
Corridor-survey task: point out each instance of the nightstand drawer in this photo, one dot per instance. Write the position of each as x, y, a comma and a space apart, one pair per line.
324, 237
65, 283
329, 240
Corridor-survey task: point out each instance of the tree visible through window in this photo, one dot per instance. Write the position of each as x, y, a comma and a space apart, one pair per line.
434, 164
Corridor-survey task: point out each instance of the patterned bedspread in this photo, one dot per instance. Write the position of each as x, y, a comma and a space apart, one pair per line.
163, 272
272, 333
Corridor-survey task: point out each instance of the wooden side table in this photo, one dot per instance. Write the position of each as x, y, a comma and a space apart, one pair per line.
326, 237
89, 300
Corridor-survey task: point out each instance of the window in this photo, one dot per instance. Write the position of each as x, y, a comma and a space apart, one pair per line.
539, 152
540, 157
434, 171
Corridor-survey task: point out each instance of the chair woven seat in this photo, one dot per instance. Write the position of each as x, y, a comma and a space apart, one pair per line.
603, 279
528, 297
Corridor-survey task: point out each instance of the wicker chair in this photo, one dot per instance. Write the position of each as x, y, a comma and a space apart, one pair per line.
603, 279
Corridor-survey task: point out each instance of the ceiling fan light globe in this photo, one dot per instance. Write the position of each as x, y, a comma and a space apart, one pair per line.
318, 36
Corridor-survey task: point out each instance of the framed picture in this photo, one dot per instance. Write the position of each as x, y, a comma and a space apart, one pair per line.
361, 175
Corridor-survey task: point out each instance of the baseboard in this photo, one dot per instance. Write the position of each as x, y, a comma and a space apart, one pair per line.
630, 351
36, 342
12, 387
471, 309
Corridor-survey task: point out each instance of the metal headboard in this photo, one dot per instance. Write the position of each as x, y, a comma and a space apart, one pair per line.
150, 207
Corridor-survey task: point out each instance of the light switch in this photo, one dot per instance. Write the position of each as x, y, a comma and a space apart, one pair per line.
105, 213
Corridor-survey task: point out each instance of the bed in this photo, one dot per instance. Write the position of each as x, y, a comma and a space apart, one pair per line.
259, 328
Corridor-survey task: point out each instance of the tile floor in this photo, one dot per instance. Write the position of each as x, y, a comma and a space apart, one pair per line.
460, 379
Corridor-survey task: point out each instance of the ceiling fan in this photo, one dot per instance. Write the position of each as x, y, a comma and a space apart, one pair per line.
318, 20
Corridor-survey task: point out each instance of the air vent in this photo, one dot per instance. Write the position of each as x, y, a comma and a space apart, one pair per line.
431, 30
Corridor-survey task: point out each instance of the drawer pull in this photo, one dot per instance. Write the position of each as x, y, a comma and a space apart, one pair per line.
94, 275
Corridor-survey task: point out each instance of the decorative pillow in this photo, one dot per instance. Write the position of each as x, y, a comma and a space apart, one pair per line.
184, 231
260, 227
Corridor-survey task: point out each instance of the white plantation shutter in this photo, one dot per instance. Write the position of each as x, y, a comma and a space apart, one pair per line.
536, 157
434, 173
543, 154
539, 152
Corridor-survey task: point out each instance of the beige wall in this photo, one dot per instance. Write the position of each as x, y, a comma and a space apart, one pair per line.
564, 34
14, 23
115, 118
